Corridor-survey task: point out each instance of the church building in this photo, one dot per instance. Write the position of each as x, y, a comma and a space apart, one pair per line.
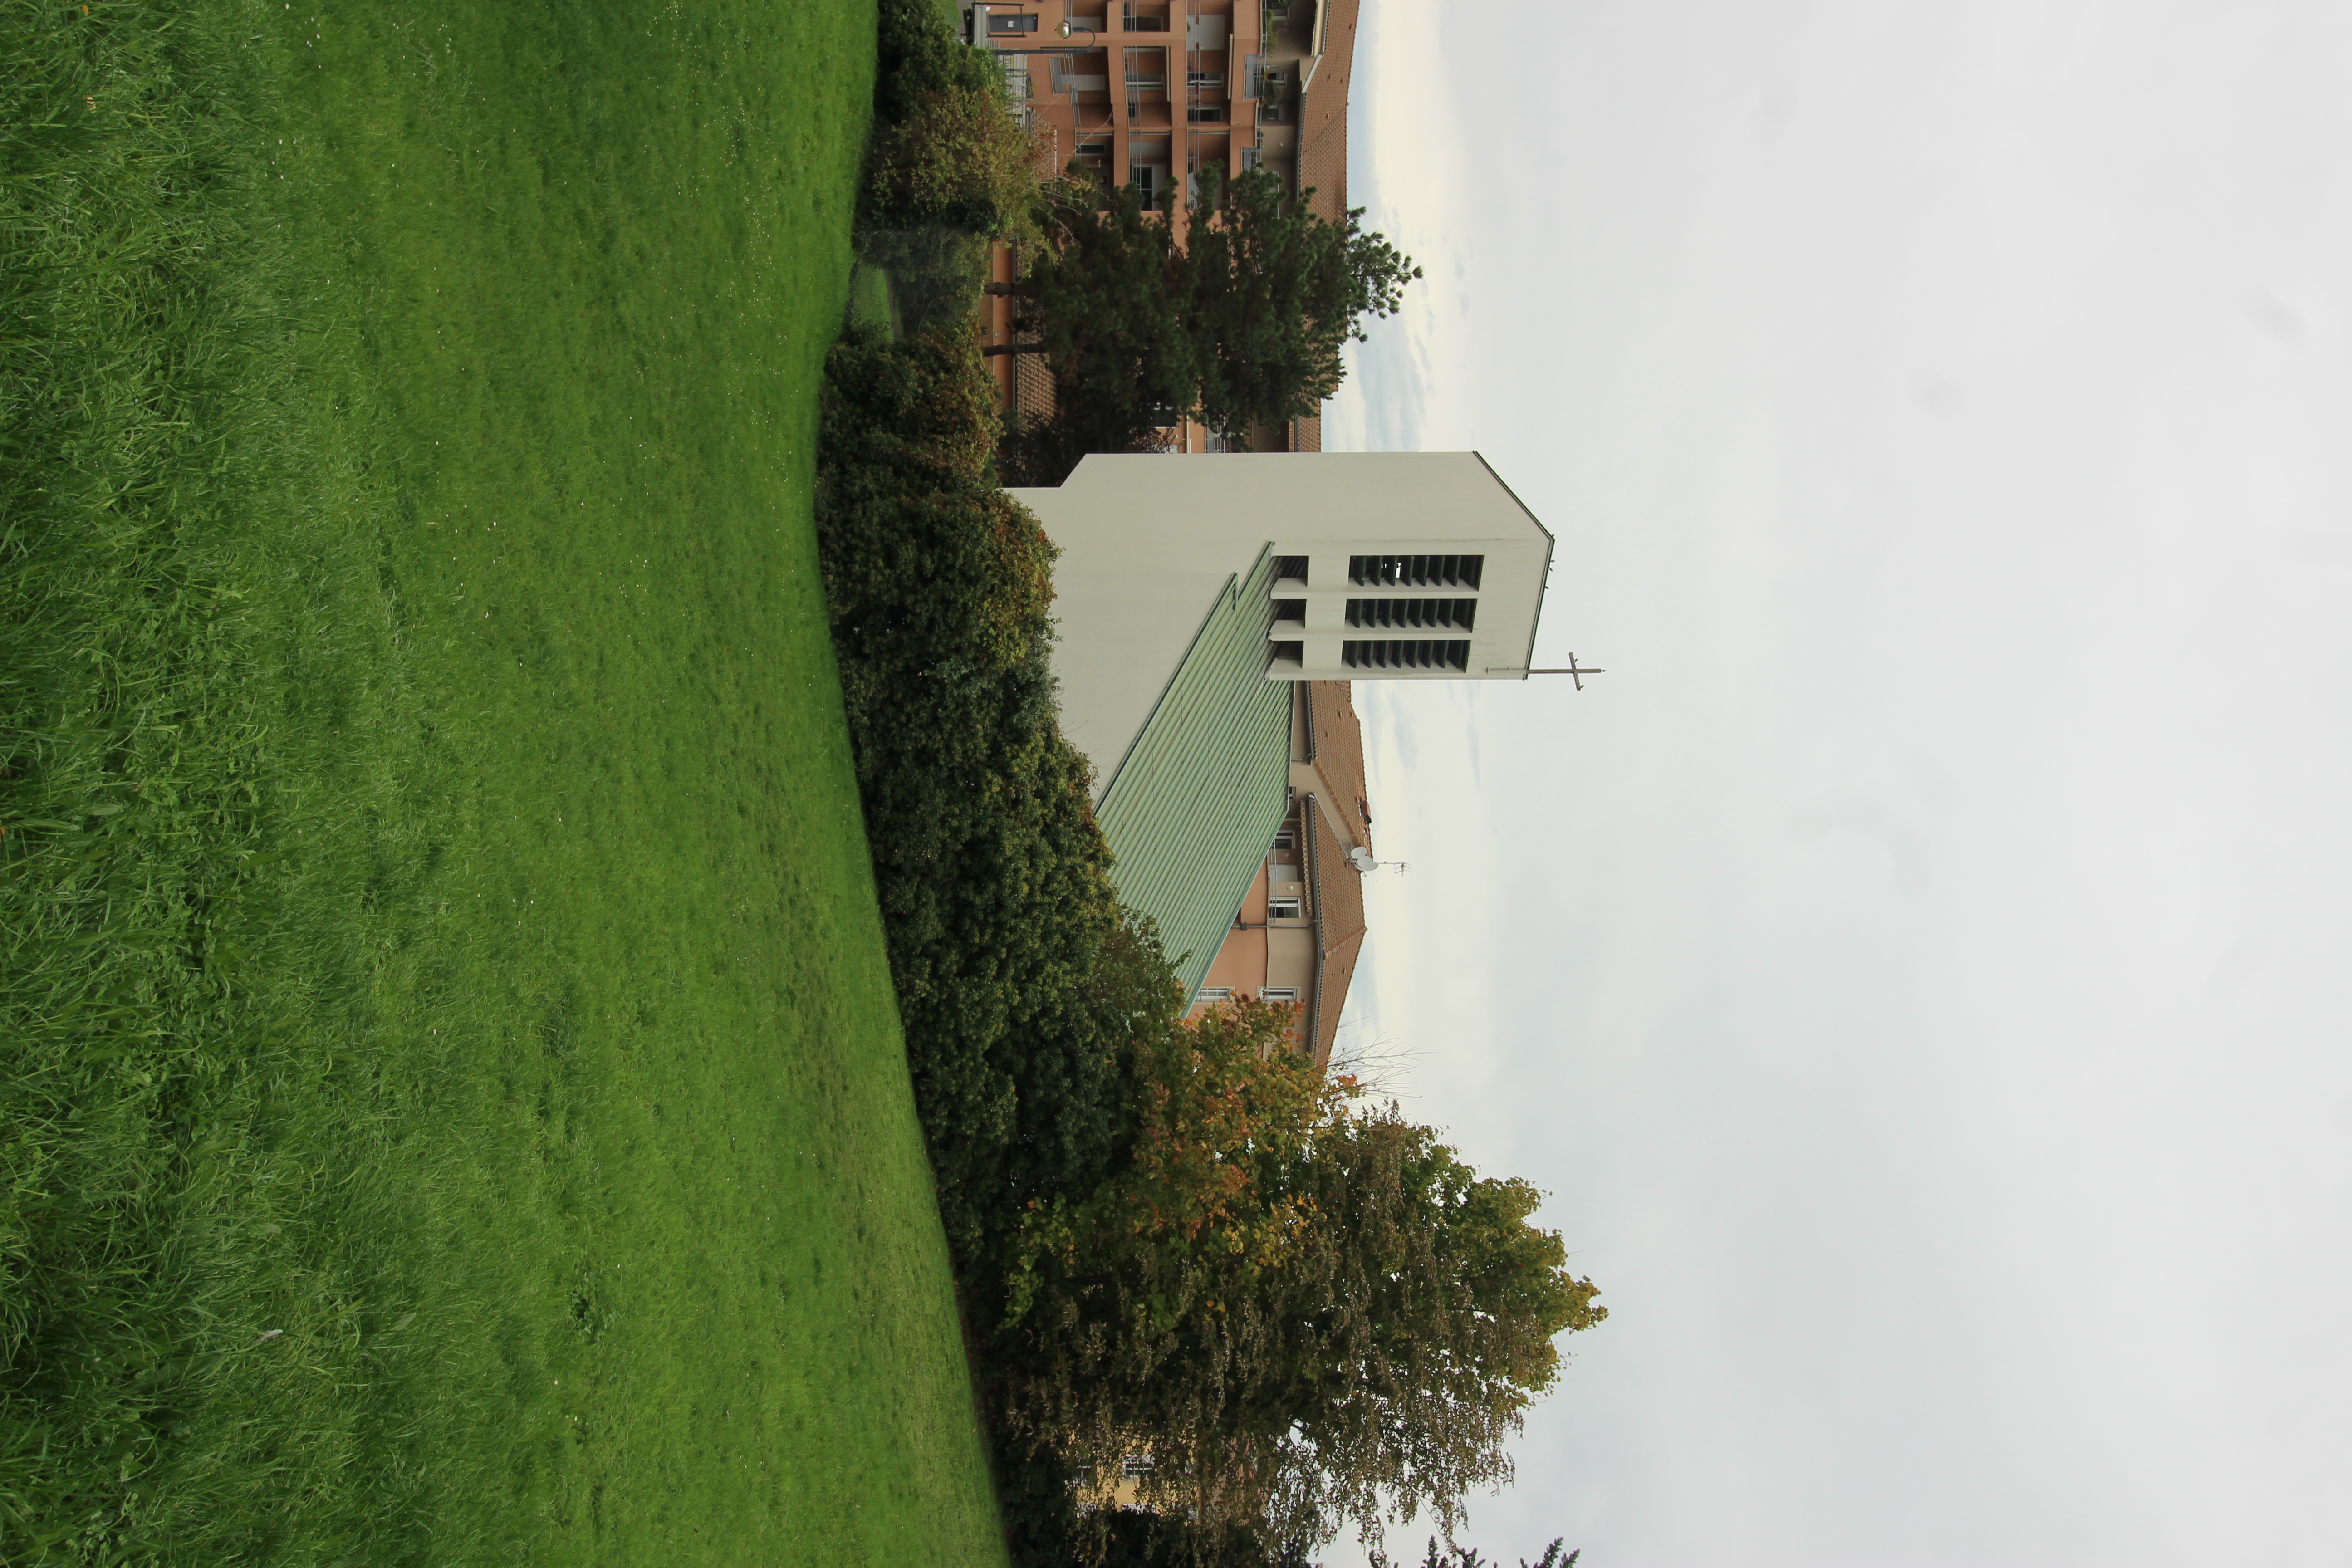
1194, 601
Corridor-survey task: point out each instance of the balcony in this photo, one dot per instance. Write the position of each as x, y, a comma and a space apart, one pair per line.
1276, 92
1147, 89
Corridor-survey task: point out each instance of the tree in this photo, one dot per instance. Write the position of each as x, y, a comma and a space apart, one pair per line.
1274, 291
1304, 1311
1108, 294
1106, 300
1043, 451
1243, 327
1413, 1330
1451, 1556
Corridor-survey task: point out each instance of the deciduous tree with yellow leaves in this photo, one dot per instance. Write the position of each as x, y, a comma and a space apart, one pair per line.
1306, 1312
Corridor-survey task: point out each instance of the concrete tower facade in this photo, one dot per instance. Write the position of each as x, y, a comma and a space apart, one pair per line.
1383, 566
1194, 597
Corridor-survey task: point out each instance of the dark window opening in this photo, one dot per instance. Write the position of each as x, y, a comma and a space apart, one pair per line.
1290, 609
1294, 651
1415, 570
1460, 615
1017, 22
1290, 568
1416, 654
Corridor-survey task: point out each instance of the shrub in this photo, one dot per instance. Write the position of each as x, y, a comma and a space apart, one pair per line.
917, 51
1020, 980
957, 160
946, 170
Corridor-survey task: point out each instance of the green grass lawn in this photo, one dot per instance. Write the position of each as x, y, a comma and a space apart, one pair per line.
871, 304
454, 1109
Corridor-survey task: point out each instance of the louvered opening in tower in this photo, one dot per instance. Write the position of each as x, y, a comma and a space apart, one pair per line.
1418, 653
1454, 615
1415, 570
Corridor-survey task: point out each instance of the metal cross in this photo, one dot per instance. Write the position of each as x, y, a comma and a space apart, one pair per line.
1578, 672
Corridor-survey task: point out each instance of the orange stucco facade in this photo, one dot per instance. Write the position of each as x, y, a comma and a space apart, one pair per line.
1149, 92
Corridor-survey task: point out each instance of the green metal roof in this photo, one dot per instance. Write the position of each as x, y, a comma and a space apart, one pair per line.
1204, 787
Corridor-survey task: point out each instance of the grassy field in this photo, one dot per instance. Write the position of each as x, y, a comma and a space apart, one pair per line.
453, 1108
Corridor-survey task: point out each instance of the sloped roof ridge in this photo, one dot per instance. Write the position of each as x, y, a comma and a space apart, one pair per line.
1336, 751
1339, 894
1323, 114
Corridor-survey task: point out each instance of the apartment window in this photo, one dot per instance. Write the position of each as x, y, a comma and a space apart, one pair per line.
1290, 568
1215, 994
1286, 839
1249, 158
1415, 570
1419, 653
1460, 615
1204, 114
1135, 1466
1137, 21
1015, 22
1290, 609
1282, 909
1296, 652
1278, 994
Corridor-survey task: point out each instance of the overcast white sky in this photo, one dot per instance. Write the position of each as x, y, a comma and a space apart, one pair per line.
1921, 969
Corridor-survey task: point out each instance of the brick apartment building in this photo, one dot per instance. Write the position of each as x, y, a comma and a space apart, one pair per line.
1150, 92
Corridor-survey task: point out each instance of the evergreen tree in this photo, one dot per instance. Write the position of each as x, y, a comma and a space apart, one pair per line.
1272, 292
